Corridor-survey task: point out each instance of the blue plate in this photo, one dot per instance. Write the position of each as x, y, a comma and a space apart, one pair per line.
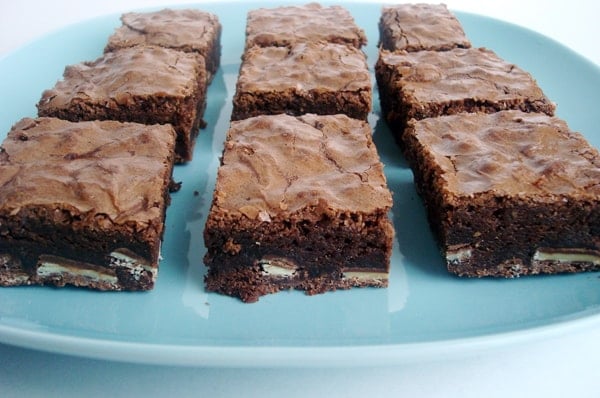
424, 314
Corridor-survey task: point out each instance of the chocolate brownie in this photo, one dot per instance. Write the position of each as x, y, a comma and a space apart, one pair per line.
186, 30
509, 193
434, 83
417, 27
286, 26
144, 84
321, 78
299, 203
83, 203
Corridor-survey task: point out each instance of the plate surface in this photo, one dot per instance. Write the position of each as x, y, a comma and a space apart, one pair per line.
425, 312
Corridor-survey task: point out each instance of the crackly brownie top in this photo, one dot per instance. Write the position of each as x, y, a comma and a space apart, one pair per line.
100, 172
510, 153
121, 76
185, 30
416, 27
304, 67
284, 26
275, 166
462, 74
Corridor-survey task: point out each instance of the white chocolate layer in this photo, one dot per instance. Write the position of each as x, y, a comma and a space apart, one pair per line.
54, 266
278, 266
567, 256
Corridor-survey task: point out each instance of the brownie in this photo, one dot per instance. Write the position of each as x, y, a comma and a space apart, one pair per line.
144, 84
83, 203
509, 193
434, 83
299, 203
185, 30
321, 78
417, 27
286, 26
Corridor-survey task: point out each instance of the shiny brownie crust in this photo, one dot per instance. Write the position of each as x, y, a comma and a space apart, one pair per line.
418, 27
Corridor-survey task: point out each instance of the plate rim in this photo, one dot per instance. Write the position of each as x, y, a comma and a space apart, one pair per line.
290, 356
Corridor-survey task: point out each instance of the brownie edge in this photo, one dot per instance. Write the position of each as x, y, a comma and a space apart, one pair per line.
427, 84
83, 203
320, 78
418, 27
289, 25
509, 193
300, 203
186, 30
142, 84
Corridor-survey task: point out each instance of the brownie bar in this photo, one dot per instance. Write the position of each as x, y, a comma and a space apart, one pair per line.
417, 27
144, 84
286, 26
433, 83
299, 203
509, 193
83, 203
321, 78
185, 30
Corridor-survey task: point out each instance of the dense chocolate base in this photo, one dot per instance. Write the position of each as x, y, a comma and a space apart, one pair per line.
314, 256
509, 237
292, 102
249, 283
44, 252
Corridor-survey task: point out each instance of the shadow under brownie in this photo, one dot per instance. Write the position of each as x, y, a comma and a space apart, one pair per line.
83, 203
299, 203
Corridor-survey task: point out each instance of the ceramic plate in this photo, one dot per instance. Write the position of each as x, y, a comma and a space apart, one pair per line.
425, 312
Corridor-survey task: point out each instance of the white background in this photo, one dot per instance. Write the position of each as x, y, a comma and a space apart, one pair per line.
562, 366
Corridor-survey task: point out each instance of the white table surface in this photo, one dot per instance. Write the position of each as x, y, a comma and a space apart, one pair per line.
558, 367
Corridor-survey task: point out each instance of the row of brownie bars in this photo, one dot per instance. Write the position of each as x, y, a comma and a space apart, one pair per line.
155, 70
301, 201
509, 189
85, 186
